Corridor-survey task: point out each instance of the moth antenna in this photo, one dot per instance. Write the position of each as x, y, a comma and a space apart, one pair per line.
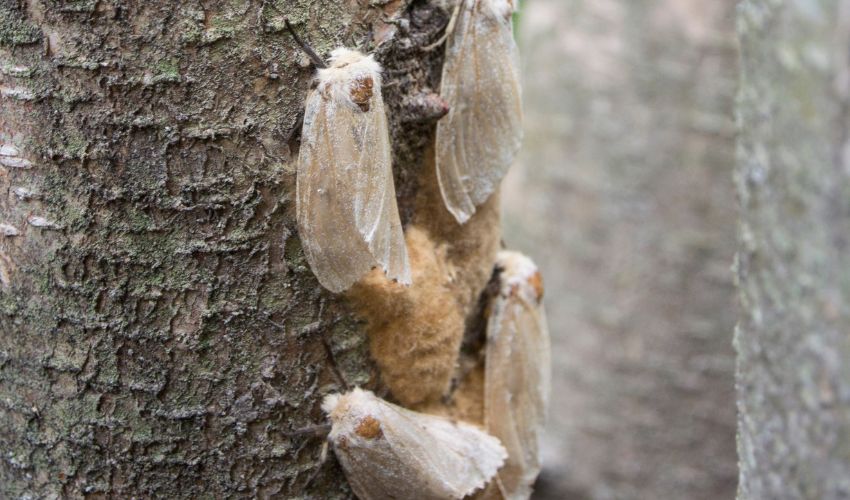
450, 27
311, 431
323, 457
296, 127
317, 61
334, 368
366, 43
383, 393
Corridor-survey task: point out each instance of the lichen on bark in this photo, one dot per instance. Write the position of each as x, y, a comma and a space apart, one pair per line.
164, 333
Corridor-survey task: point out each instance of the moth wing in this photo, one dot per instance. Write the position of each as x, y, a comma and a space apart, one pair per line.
347, 213
415, 452
517, 385
334, 248
376, 210
454, 458
479, 137
374, 473
371, 464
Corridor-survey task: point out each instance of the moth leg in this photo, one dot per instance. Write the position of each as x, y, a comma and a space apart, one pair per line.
319, 326
323, 458
311, 432
340, 379
449, 28
297, 127
318, 430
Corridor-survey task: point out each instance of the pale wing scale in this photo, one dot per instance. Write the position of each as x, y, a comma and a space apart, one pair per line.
403, 451
346, 208
517, 372
479, 137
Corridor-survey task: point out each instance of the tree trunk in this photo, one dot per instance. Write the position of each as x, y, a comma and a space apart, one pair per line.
793, 260
160, 331
625, 196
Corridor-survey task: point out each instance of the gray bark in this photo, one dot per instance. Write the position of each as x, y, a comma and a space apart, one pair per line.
160, 331
624, 195
792, 340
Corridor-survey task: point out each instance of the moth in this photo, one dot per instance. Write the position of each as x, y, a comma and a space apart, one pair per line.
389, 452
345, 197
517, 371
479, 137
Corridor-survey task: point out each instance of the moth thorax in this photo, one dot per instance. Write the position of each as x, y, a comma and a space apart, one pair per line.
361, 92
531, 290
369, 428
536, 282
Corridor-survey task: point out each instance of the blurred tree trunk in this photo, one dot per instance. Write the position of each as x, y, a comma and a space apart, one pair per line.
794, 259
160, 331
625, 197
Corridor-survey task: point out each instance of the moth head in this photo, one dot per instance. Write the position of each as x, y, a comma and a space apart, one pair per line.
342, 57
519, 275
352, 78
353, 404
353, 416
330, 403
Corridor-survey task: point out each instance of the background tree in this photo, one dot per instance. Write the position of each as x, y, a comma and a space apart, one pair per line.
160, 332
793, 258
624, 195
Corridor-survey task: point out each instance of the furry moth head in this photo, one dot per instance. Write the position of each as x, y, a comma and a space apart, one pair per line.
517, 371
346, 207
351, 78
389, 452
479, 137
519, 277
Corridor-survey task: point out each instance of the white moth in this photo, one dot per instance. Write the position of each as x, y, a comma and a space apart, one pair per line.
517, 372
347, 214
479, 137
389, 452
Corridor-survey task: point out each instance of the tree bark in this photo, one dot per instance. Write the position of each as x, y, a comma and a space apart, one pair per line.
793, 259
160, 331
624, 195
